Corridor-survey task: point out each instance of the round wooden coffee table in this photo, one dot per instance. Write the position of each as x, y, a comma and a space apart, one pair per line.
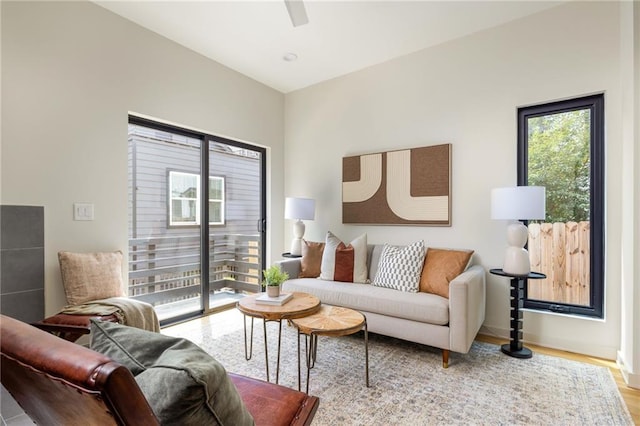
301, 305
330, 321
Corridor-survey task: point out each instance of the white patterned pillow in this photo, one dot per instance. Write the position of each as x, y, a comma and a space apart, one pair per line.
346, 263
400, 267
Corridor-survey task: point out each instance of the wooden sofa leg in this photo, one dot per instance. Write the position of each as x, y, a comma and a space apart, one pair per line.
445, 358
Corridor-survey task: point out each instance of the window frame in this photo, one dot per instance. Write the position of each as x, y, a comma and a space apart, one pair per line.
205, 231
595, 103
170, 198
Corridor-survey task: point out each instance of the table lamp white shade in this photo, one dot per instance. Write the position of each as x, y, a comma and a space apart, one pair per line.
517, 203
299, 209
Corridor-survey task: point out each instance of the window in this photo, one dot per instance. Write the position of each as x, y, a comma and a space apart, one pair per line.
216, 201
180, 182
184, 205
561, 147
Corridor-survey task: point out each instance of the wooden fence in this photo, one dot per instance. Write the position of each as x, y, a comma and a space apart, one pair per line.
561, 252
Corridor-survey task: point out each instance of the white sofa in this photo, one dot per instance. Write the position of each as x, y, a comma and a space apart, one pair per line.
449, 324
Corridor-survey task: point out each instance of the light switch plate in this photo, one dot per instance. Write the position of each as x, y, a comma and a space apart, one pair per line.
82, 211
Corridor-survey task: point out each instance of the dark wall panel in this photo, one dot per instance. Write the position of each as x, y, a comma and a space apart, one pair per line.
22, 262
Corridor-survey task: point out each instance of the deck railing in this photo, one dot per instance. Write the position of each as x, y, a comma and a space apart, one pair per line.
561, 251
167, 269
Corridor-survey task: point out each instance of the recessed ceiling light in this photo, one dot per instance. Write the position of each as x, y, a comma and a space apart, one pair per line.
290, 57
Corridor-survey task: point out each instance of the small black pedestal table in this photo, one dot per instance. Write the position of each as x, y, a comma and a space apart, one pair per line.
514, 348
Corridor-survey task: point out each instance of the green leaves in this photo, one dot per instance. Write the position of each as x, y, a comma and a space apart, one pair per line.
559, 160
273, 276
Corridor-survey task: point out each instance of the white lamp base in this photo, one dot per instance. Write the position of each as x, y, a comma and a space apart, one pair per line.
298, 233
516, 258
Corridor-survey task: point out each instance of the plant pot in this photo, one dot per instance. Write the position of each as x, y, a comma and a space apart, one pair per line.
273, 290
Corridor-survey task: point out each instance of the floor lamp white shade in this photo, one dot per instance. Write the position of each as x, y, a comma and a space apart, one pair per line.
517, 203
299, 209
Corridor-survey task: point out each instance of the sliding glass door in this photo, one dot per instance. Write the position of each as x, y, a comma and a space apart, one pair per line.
196, 216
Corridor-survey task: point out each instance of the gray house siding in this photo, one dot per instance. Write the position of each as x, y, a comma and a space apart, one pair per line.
150, 200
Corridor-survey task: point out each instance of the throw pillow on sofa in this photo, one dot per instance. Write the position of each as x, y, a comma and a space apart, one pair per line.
182, 383
440, 267
311, 259
344, 263
399, 268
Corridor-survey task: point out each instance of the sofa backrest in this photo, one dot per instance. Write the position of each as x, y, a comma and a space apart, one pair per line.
374, 251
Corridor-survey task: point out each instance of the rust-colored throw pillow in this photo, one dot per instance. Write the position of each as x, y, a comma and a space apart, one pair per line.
91, 276
311, 259
346, 263
440, 267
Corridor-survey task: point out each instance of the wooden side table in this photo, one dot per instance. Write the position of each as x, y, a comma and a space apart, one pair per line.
330, 321
301, 305
515, 348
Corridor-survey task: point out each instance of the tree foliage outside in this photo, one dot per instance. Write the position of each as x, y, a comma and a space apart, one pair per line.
559, 160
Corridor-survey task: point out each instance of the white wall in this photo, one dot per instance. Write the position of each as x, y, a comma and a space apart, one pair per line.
71, 72
629, 354
466, 92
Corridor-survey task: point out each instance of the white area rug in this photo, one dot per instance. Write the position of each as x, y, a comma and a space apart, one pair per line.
409, 385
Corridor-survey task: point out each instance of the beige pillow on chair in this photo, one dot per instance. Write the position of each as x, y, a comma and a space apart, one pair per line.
91, 276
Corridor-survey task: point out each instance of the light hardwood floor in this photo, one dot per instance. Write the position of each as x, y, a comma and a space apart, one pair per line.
631, 396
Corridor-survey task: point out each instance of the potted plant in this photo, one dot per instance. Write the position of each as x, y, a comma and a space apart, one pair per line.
273, 277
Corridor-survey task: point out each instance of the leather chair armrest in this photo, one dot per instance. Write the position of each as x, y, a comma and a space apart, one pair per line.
58, 382
272, 404
70, 327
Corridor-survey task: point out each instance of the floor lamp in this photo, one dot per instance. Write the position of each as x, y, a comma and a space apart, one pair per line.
299, 209
517, 203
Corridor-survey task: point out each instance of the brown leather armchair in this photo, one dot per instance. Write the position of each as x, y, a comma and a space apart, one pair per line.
59, 382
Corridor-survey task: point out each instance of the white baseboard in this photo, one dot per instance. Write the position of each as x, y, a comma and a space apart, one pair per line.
631, 379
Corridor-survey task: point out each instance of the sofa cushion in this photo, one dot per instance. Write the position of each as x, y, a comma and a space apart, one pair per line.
91, 276
399, 267
440, 267
183, 384
344, 263
422, 307
311, 259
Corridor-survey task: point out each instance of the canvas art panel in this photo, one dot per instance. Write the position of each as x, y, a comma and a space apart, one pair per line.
403, 187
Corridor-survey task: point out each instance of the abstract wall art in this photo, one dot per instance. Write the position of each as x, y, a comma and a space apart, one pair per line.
404, 187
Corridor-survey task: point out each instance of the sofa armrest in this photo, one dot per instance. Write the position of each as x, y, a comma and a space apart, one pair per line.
467, 300
290, 266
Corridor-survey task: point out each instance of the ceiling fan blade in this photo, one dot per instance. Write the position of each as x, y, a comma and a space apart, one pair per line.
297, 12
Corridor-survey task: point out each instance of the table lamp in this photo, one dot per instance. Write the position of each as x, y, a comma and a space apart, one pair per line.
298, 209
515, 204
